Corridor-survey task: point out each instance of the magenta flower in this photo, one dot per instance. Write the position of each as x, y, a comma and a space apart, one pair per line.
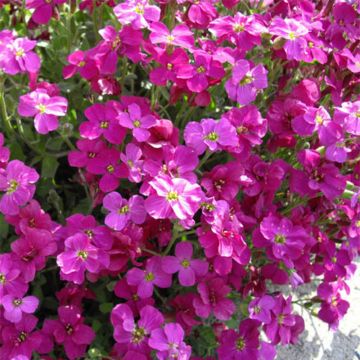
80, 62
333, 307
131, 159
10, 277
133, 334
80, 255
123, 211
241, 345
293, 32
245, 82
146, 279
107, 164
137, 122
43, 9
14, 307
20, 338
137, 13
250, 127
169, 343
173, 198
211, 134
189, 269
88, 151
70, 331
44, 108
4, 153
181, 35
20, 58
348, 116
99, 235
259, 309
198, 76
213, 298
170, 63
284, 326
285, 240
243, 31
102, 122
18, 183
32, 250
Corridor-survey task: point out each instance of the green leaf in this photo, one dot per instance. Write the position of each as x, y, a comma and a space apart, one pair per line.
105, 308
49, 166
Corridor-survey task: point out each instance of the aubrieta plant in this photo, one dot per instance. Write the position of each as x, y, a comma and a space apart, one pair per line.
171, 171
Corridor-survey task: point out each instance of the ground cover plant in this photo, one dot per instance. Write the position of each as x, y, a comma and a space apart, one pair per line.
171, 171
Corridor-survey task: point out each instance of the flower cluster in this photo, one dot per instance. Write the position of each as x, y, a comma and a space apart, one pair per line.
206, 156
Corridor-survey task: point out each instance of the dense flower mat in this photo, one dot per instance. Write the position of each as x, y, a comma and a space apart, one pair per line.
170, 169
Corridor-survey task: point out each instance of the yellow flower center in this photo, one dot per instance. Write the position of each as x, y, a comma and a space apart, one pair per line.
20, 52
247, 79
22, 337
41, 108
212, 136
17, 302
149, 276
81, 64
319, 120
139, 9
138, 335
240, 344
280, 239
136, 123
13, 185
292, 35
185, 263
200, 70
82, 254
170, 38
2, 278
104, 124
172, 196
239, 28
124, 210
110, 169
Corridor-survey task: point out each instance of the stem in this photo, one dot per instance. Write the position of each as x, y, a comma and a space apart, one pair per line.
205, 158
151, 252
3, 111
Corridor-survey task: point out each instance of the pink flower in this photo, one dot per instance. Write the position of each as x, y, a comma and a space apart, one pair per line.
70, 331
146, 279
243, 31
20, 57
137, 122
211, 134
80, 62
31, 251
169, 343
173, 198
241, 345
88, 151
18, 182
102, 122
183, 263
108, 165
134, 335
138, 13
259, 309
213, 298
80, 255
44, 108
284, 326
20, 338
131, 159
10, 275
14, 307
245, 82
43, 9
293, 32
179, 36
198, 76
123, 211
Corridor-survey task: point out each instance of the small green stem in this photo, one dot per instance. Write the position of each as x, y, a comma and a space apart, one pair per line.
205, 158
3, 111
